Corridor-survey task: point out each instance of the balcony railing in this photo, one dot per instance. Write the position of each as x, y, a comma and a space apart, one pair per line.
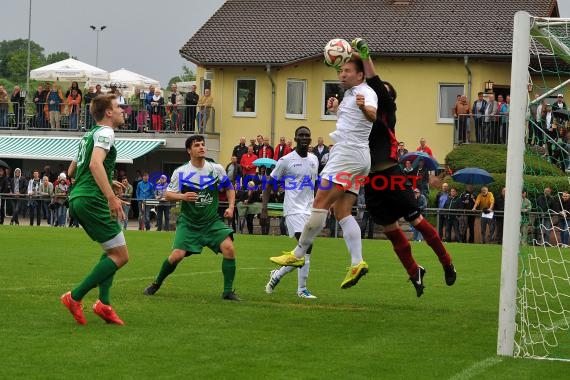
138, 119
482, 129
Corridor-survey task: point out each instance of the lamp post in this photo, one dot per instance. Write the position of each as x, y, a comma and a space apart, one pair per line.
100, 29
29, 47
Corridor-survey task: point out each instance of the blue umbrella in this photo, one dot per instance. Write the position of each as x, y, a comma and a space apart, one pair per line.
472, 176
430, 163
267, 162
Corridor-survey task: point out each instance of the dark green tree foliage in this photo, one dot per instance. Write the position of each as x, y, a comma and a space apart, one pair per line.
56, 57
14, 56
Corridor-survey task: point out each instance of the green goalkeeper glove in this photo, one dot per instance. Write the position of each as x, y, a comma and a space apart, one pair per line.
361, 46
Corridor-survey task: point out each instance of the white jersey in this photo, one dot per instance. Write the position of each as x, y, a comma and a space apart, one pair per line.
297, 175
196, 179
352, 127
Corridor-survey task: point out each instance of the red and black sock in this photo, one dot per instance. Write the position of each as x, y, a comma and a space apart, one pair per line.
433, 240
403, 250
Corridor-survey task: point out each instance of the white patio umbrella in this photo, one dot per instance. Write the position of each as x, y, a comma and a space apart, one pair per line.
69, 70
131, 79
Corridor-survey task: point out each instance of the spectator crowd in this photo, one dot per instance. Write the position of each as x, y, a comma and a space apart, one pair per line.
144, 111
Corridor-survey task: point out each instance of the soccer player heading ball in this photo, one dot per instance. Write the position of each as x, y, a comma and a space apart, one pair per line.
355, 115
388, 206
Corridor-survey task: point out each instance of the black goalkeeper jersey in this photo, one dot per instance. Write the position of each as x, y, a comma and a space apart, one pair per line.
382, 141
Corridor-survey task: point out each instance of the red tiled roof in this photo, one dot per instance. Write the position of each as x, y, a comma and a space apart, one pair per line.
280, 32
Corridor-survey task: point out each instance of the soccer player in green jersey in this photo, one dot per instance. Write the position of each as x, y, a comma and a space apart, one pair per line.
196, 185
94, 204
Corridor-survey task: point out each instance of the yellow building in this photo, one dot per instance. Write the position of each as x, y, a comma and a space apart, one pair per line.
431, 52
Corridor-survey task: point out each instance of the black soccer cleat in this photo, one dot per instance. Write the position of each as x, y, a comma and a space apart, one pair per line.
418, 281
151, 289
450, 274
231, 296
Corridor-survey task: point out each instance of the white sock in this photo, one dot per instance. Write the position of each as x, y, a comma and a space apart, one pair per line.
283, 271
303, 274
351, 235
312, 228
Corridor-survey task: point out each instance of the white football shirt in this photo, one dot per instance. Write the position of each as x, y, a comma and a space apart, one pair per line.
210, 175
352, 127
297, 175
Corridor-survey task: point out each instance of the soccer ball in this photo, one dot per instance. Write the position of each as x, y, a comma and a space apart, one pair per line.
337, 52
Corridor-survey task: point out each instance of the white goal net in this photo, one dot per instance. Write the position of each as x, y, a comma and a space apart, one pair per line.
534, 315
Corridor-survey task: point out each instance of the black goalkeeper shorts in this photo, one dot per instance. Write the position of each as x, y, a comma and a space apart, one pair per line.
389, 196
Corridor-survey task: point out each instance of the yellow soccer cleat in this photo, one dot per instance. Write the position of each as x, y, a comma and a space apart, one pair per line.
288, 260
354, 274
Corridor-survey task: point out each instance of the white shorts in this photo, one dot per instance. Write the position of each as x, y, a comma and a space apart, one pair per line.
345, 163
295, 223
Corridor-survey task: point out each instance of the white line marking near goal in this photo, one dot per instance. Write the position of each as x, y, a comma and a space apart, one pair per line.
476, 369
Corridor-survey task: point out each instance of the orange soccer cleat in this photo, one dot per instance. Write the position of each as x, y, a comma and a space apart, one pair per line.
74, 307
107, 313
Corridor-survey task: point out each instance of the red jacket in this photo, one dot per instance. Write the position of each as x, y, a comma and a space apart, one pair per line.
268, 151
286, 150
426, 150
247, 165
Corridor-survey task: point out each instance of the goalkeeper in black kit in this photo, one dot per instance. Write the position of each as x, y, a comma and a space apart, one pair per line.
387, 206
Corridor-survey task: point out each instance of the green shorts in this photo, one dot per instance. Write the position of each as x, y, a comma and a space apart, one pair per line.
193, 240
95, 217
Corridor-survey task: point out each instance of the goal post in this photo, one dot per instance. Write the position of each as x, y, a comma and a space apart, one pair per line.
534, 300
514, 183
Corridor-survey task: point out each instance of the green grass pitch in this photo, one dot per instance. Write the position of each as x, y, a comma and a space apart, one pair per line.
378, 329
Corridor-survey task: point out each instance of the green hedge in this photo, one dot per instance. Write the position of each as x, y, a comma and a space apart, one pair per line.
531, 184
493, 158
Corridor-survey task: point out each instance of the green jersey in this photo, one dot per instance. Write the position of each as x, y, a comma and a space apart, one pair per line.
206, 182
85, 185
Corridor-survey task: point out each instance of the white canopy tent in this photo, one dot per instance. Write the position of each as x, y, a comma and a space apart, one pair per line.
132, 79
69, 70
127, 81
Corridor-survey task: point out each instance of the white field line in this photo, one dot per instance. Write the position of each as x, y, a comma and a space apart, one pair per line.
476, 369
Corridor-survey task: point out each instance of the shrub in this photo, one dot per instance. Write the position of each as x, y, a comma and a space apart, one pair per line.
493, 158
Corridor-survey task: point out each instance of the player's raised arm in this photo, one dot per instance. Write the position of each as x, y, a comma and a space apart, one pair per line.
368, 110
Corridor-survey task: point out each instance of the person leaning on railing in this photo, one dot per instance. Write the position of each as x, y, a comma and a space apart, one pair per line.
89, 96
39, 100
74, 108
3, 107
19, 107
55, 101
205, 103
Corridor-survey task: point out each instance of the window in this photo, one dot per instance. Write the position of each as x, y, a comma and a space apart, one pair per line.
296, 99
447, 98
244, 101
330, 89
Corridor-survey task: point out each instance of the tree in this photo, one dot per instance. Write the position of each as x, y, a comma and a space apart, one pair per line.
14, 57
56, 57
188, 75
9, 48
17, 65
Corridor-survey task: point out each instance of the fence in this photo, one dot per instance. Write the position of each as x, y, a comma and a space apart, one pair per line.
481, 129
539, 226
138, 119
